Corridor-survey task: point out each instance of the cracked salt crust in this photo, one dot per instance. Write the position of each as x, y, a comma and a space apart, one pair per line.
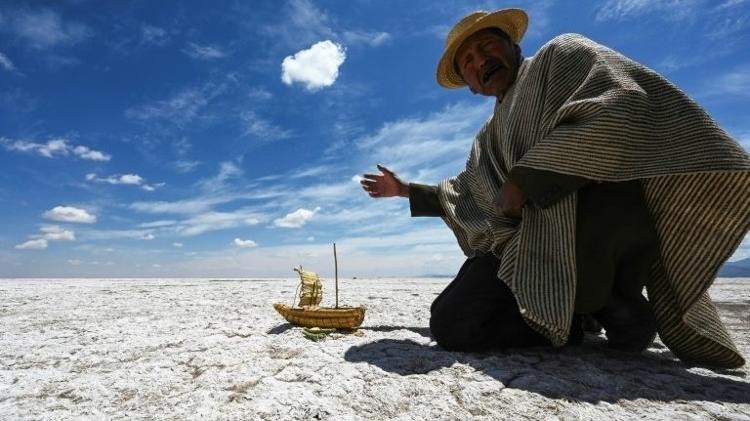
195, 349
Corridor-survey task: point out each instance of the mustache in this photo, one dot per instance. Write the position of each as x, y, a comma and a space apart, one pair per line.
490, 68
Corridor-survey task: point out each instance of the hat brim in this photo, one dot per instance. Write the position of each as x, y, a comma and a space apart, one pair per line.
511, 21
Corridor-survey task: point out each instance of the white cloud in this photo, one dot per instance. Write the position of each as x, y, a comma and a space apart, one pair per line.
45, 29
18, 101
38, 244
154, 35
373, 39
214, 221
743, 251
731, 3
185, 166
124, 179
116, 234
329, 191
132, 179
178, 245
313, 171
183, 106
6, 64
74, 262
244, 243
669, 9
437, 145
92, 155
259, 94
70, 214
735, 83
180, 109
296, 219
301, 23
203, 52
148, 237
158, 224
262, 129
54, 148
184, 207
409, 253
316, 67
744, 140
46, 234
227, 171
56, 233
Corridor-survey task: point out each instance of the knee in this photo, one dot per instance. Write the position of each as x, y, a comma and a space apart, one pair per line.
448, 334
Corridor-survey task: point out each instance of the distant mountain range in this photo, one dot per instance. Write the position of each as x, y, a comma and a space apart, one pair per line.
738, 269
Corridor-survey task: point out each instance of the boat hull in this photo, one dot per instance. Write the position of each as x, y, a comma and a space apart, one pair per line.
328, 317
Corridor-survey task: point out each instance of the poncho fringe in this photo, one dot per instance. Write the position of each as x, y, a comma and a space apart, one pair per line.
581, 109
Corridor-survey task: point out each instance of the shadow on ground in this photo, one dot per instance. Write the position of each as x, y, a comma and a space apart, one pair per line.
580, 373
423, 331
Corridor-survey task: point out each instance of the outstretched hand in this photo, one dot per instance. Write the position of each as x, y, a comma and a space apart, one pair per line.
385, 185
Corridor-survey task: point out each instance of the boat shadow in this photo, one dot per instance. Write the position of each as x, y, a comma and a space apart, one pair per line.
280, 329
587, 373
423, 331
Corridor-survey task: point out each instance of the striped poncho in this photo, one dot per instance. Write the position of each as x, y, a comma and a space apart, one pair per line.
581, 109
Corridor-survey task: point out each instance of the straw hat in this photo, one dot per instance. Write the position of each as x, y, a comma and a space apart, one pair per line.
511, 21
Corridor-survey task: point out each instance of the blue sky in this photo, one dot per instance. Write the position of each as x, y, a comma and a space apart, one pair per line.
225, 138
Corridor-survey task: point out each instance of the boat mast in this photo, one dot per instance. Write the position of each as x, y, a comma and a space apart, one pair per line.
336, 271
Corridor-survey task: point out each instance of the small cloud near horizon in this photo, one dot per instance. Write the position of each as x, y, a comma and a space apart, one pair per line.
57, 147
244, 243
38, 244
56, 233
124, 179
70, 214
296, 219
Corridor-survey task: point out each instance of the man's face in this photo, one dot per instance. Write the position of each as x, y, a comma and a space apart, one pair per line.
487, 62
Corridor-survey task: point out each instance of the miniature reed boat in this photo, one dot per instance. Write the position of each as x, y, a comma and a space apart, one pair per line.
327, 317
309, 314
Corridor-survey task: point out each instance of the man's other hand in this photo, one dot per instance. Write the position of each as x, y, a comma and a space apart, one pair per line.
510, 201
386, 185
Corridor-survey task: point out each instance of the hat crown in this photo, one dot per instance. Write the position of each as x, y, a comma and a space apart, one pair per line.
464, 23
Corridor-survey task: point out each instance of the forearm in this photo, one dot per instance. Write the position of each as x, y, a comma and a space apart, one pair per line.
545, 188
424, 200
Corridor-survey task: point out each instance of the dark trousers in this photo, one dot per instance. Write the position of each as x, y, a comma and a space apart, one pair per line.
615, 246
477, 312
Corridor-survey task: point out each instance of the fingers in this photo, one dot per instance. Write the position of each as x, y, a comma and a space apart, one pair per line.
385, 170
371, 193
373, 177
373, 183
370, 187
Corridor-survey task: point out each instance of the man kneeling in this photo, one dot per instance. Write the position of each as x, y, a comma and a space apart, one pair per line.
593, 178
